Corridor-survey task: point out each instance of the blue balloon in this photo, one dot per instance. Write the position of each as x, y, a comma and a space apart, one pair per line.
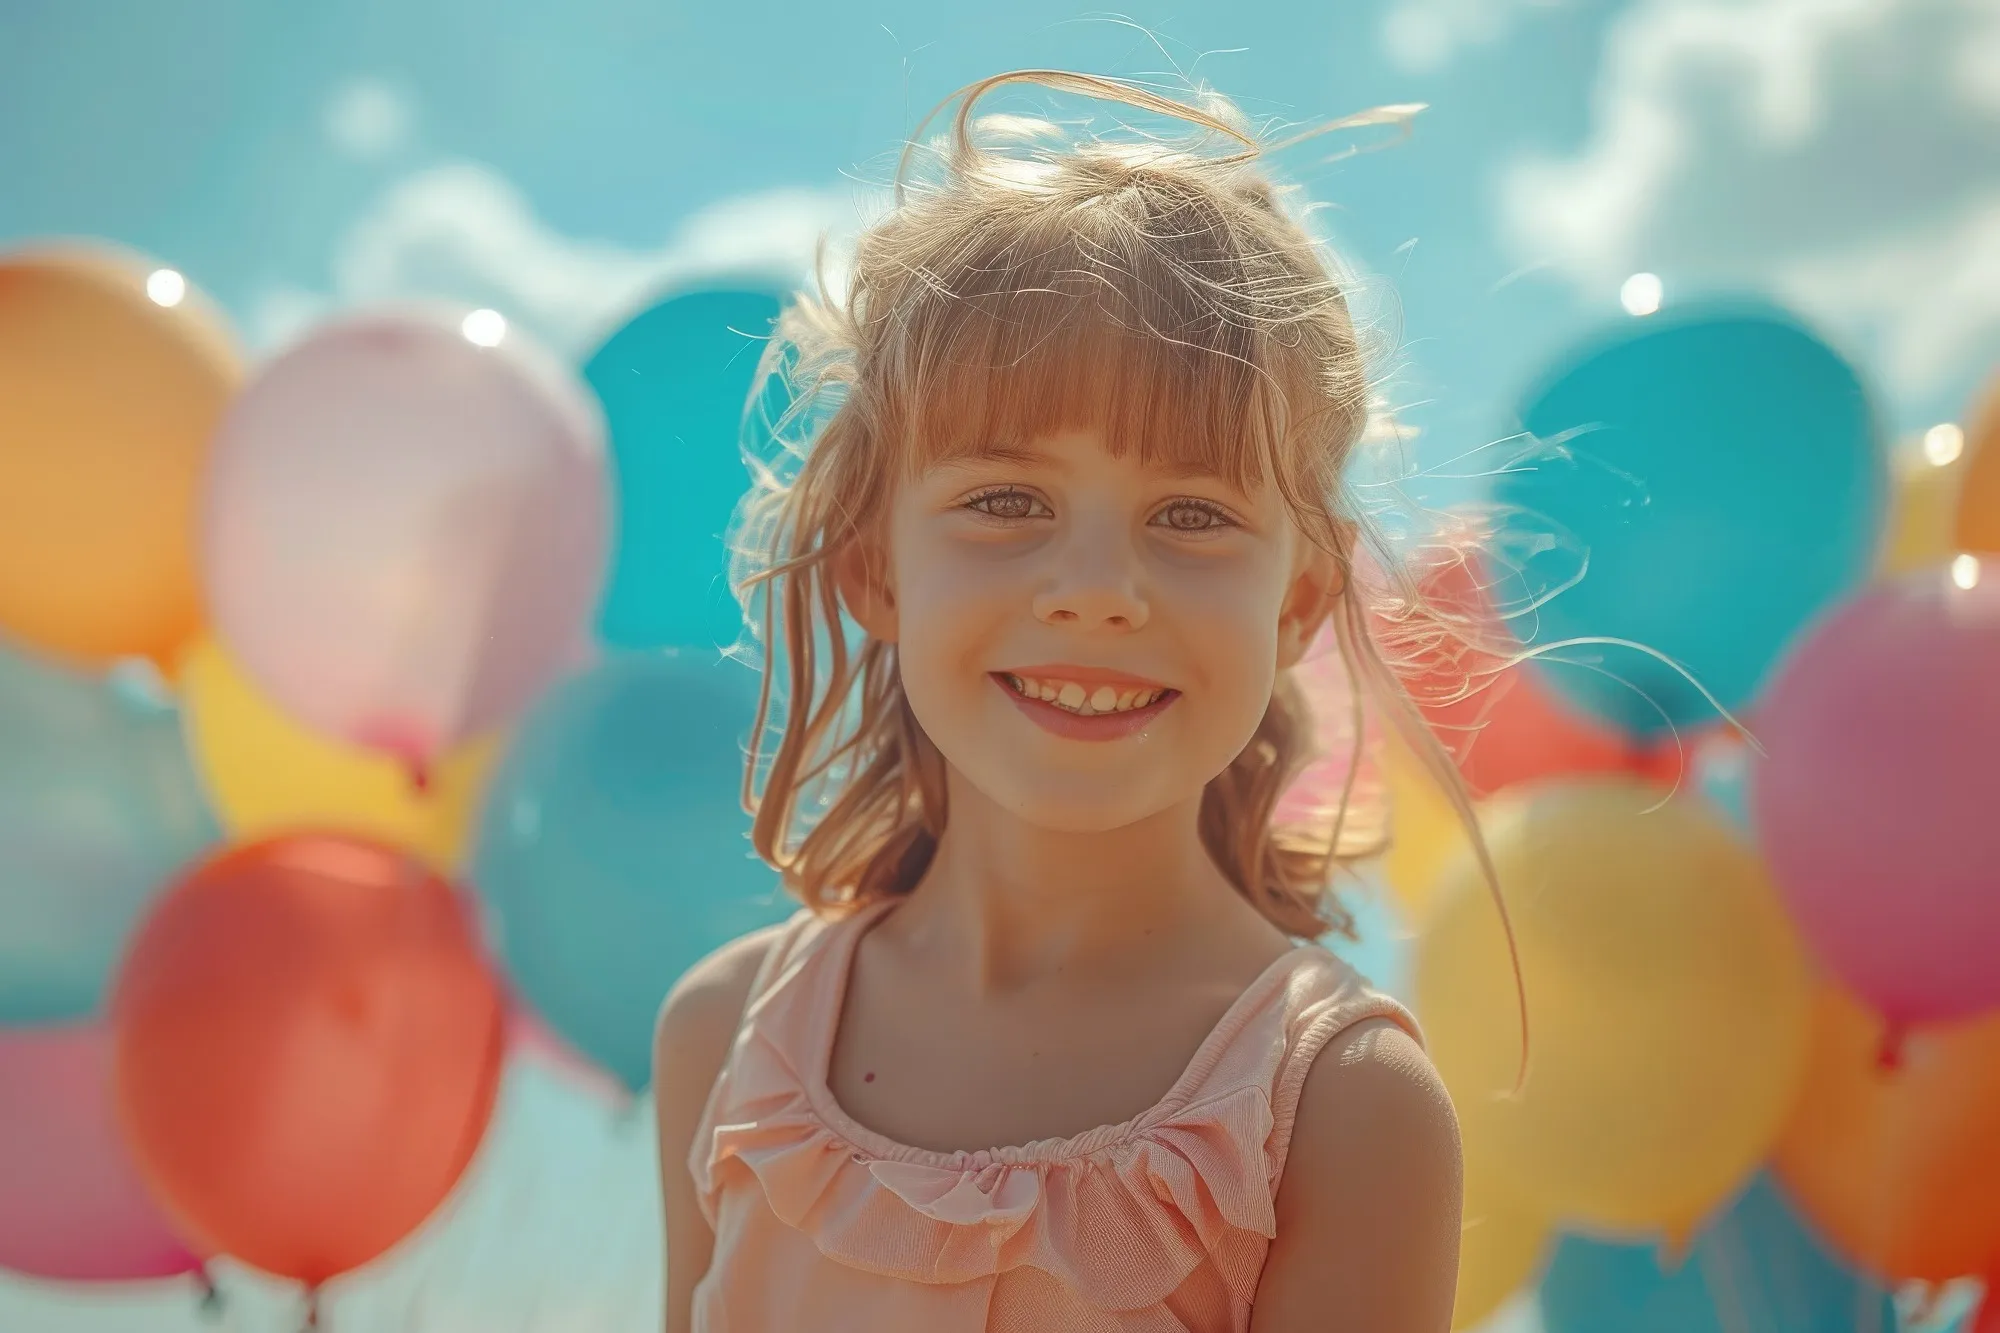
1717, 476
99, 807
674, 383
1755, 1268
613, 850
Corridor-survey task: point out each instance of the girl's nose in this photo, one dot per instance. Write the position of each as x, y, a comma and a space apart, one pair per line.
1095, 585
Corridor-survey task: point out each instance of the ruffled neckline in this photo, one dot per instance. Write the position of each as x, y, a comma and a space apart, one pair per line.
1120, 1215
1179, 1099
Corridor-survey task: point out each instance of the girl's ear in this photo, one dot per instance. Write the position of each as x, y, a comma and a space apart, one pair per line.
861, 577
1317, 587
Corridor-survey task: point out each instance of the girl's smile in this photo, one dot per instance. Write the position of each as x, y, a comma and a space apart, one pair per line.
1085, 703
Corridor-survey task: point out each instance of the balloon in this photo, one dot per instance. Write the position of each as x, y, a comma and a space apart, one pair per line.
674, 383
1716, 478
1501, 725
1757, 1267
405, 531
1899, 1168
1722, 778
268, 774
1524, 731
1978, 524
98, 806
1425, 831
107, 402
1667, 1004
72, 1206
1923, 504
1875, 807
308, 1044
613, 850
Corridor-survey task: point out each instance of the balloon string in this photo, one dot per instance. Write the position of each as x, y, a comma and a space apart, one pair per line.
209, 1294
312, 1307
420, 777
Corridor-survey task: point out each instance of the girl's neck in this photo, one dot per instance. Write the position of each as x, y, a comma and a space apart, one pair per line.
1006, 903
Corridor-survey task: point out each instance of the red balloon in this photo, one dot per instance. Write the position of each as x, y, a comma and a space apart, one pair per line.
1989, 1307
309, 1044
1501, 723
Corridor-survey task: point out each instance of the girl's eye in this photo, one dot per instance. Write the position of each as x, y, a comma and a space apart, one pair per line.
1007, 502
1191, 515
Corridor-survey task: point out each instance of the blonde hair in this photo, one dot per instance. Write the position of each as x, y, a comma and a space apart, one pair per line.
1162, 294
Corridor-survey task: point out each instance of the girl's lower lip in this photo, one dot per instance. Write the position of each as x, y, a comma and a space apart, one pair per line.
1076, 727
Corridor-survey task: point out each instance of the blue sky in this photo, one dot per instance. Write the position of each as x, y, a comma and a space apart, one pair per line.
558, 160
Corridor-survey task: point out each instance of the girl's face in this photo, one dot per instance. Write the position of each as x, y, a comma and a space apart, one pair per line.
1089, 639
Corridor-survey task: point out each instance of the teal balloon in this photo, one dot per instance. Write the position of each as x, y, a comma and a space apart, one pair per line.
99, 807
613, 851
1758, 1267
1718, 478
674, 383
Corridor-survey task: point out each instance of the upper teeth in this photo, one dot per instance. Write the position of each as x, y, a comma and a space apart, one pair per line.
1086, 700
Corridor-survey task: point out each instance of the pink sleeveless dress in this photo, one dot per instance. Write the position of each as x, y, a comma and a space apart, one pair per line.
1159, 1224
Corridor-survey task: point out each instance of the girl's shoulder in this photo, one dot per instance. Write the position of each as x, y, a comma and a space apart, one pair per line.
699, 1019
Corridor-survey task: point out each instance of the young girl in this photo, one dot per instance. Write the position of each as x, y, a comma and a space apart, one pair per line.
1070, 512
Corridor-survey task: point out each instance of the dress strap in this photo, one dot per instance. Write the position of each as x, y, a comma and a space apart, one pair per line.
1326, 997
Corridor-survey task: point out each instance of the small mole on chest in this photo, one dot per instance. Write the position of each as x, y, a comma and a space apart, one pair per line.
868, 1077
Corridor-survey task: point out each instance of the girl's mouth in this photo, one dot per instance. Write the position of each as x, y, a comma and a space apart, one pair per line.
1081, 710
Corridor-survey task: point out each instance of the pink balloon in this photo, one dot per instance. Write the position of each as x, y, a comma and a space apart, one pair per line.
1878, 807
404, 536
71, 1203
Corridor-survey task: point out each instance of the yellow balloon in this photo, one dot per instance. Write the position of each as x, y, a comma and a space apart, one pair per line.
1667, 1005
1923, 506
266, 772
113, 375
1425, 833
1978, 519
1500, 1247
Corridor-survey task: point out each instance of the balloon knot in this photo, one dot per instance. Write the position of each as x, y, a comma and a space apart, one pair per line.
1889, 1054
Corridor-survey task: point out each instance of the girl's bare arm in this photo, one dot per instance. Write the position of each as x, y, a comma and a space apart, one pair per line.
697, 1025
1368, 1212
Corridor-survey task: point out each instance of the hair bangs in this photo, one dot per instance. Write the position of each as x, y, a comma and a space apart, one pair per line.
1120, 328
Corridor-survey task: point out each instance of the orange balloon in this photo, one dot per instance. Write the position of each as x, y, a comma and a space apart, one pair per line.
1978, 524
308, 1048
107, 402
1899, 1167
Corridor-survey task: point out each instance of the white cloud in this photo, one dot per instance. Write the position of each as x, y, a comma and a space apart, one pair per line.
1421, 36
464, 233
367, 119
1921, 298
1843, 153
